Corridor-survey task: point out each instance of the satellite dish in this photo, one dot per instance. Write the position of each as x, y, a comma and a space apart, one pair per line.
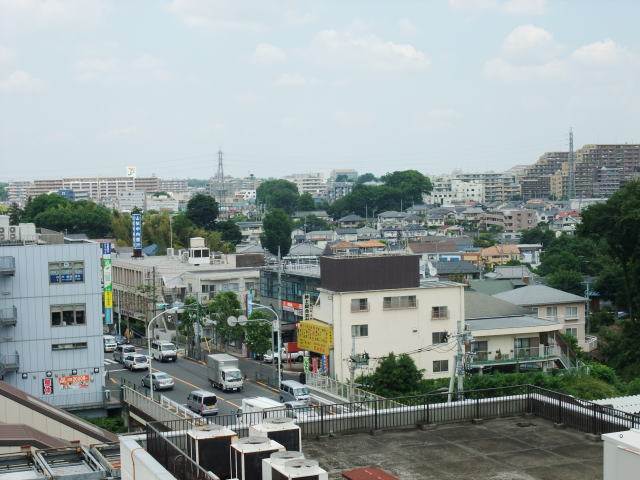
242, 319
232, 321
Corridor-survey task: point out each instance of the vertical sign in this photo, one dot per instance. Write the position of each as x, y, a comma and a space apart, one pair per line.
107, 285
136, 234
249, 302
131, 172
47, 386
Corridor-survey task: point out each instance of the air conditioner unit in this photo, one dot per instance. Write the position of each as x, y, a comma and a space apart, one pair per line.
13, 229
13, 236
280, 429
299, 468
278, 458
247, 455
2, 230
210, 447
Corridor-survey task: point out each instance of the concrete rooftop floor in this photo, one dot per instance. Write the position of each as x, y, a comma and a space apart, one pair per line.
516, 448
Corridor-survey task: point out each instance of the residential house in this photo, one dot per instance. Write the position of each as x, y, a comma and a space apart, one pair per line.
414, 232
457, 271
507, 337
321, 214
347, 234
530, 253
499, 254
553, 304
321, 237
250, 231
351, 221
304, 252
377, 305
367, 233
391, 219
515, 272
446, 250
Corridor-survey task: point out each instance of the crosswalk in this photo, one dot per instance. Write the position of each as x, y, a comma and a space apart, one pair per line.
108, 361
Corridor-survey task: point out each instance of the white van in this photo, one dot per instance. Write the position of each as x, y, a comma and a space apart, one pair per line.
292, 391
163, 351
203, 402
110, 343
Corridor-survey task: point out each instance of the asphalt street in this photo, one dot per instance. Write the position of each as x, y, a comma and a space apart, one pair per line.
189, 375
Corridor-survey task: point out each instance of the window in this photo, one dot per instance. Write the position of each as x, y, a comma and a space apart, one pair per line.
359, 330
249, 285
571, 313
552, 312
394, 303
66, 272
571, 331
439, 313
359, 305
67, 315
439, 337
440, 366
68, 346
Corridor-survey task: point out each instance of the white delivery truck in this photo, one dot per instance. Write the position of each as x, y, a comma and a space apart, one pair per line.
223, 372
265, 407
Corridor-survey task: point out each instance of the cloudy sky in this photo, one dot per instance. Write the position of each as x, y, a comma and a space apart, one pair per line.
88, 87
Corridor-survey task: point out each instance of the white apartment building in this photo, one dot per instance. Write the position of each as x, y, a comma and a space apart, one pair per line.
161, 202
98, 189
17, 192
312, 183
127, 200
377, 305
447, 191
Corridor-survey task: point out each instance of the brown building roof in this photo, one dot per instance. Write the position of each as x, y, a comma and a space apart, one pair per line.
433, 247
498, 250
368, 473
18, 435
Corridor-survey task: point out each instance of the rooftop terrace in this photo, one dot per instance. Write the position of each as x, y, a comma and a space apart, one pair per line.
515, 448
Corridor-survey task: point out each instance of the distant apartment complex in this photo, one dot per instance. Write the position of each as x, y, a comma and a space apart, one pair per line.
311, 183
95, 188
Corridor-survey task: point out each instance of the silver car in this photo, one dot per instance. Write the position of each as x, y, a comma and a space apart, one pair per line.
136, 362
161, 381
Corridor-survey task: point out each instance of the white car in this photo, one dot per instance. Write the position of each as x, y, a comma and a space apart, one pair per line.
109, 343
284, 356
161, 381
136, 362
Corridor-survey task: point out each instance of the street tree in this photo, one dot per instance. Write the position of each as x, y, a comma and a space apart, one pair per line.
257, 334
229, 231
306, 203
223, 306
395, 375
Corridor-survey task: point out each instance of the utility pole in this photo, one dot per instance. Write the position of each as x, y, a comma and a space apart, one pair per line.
571, 190
278, 317
460, 360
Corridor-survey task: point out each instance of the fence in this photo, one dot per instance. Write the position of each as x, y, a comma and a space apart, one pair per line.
343, 390
371, 415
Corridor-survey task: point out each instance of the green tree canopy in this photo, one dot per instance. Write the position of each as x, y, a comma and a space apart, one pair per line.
277, 232
395, 375
281, 194
311, 222
366, 177
229, 231
39, 204
121, 227
539, 234
76, 217
567, 281
156, 229
411, 183
202, 210
306, 203
223, 306
257, 333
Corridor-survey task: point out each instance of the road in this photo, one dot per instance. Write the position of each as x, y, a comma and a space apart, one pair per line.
190, 375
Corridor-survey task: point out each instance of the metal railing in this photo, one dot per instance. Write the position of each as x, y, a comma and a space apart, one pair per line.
591, 342
343, 391
168, 439
107, 398
518, 355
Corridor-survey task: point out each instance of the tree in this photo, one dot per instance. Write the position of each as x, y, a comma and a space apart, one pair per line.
411, 183
484, 240
257, 334
202, 210
223, 306
311, 222
39, 204
15, 214
229, 231
121, 227
540, 234
395, 376
366, 177
277, 232
567, 281
306, 203
3, 191
182, 229
76, 217
617, 221
156, 229
281, 194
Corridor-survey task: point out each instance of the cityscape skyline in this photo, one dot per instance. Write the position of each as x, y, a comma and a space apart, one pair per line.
467, 85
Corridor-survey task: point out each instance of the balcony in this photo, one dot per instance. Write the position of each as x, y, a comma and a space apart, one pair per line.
7, 266
9, 363
8, 316
517, 356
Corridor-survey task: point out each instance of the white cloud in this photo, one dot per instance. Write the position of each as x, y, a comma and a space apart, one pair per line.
291, 80
27, 15
96, 68
438, 118
511, 7
605, 53
221, 14
367, 51
20, 81
407, 27
267, 54
346, 119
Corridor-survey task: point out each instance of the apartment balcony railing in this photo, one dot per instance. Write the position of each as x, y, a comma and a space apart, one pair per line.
7, 266
9, 363
518, 355
8, 316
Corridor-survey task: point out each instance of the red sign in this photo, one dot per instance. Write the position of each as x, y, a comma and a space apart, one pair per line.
47, 386
74, 381
294, 307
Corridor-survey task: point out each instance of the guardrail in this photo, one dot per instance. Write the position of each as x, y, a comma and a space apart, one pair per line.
178, 408
163, 409
343, 391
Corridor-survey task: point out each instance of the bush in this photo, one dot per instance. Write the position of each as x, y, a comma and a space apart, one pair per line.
112, 424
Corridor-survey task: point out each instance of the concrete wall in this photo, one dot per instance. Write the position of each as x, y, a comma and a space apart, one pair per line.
137, 464
397, 330
33, 335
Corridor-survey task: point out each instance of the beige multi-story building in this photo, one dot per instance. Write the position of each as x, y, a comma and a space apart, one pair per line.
98, 189
497, 187
536, 182
311, 183
519, 219
17, 192
377, 305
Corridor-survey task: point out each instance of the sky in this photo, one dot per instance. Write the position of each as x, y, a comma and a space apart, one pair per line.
89, 87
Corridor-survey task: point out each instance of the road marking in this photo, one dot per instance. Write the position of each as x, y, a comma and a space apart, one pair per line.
108, 361
118, 370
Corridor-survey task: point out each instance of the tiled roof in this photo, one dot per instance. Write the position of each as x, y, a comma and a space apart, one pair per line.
538, 295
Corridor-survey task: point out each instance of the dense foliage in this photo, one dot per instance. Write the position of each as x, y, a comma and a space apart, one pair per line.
281, 194
202, 210
277, 232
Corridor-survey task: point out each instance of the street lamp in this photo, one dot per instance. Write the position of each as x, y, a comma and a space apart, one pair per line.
242, 320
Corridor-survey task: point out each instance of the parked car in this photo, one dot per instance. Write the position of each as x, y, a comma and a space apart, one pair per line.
203, 402
163, 351
109, 343
122, 351
121, 339
136, 362
161, 381
285, 356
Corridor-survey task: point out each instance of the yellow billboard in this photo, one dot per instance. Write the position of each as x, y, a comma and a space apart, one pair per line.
108, 299
315, 336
